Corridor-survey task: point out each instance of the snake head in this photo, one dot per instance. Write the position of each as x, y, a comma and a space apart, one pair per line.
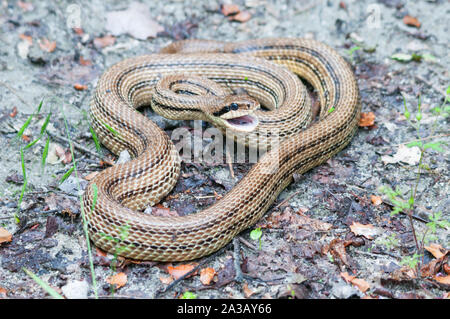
235, 112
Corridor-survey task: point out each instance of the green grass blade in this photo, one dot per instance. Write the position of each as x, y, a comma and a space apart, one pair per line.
52, 292
44, 126
67, 174
97, 143
45, 152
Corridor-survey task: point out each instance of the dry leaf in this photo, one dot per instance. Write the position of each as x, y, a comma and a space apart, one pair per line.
85, 62
100, 252
5, 236
181, 270
405, 154
242, 16
337, 249
229, 9
206, 275
247, 291
443, 279
64, 156
447, 268
166, 280
119, 280
105, 41
47, 46
403, 274
348, 278
436, 250
367, 119
160, 210
361, 284
13, 112
80, 87
91, 176
78, 31
26, 138
376, 200
135, 21
431, 269
411, 21
26, 38
25, 6
364, 230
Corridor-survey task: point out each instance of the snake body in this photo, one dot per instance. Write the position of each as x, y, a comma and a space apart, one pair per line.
114, 198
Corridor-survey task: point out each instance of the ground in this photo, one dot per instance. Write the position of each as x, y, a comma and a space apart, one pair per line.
330, 234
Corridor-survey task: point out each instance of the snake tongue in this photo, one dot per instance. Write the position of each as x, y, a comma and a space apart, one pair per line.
245, 123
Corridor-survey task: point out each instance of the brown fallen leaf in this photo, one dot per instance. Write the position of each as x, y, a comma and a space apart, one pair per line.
119, 280
376, 200
13, 112
25, 6
105, 41
78, 31
180, 270
348, 278
47, 46
80, 87
206, 275
247, 291
360, 283
337, 250
91, 176
85, 62
443, 279
367, 119
100, 252
367, 231
447, 269
436, 250
26, 138
242, 16
166, 280
5, 236
229, 9
160, 210
403, 274
411, 21
431, 269
26, 38
64, 156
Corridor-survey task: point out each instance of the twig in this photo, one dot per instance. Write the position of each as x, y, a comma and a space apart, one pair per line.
418, 77
421, 139
176, 281
13, 91
236, 259
230, 165
287, 199
75, 145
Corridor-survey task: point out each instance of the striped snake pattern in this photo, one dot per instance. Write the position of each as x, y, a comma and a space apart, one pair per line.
268, 71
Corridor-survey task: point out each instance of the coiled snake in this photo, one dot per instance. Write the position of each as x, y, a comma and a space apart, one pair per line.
115, 198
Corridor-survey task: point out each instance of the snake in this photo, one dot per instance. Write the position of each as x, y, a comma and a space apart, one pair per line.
248, 87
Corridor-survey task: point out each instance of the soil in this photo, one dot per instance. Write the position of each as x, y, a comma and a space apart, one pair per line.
55, 52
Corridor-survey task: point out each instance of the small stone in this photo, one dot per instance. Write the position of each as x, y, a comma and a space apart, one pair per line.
76, 290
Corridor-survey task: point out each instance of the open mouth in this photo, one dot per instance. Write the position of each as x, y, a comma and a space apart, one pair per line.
245, 123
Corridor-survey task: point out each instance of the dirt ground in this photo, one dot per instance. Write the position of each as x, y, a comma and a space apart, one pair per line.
330, 234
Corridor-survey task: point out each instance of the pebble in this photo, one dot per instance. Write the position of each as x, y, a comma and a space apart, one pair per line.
76, 289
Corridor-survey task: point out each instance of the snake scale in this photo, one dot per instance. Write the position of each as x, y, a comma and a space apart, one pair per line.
115, 198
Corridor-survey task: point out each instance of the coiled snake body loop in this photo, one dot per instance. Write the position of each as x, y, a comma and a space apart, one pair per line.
114, 197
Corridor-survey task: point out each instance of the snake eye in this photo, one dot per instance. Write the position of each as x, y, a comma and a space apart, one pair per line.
234, 106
